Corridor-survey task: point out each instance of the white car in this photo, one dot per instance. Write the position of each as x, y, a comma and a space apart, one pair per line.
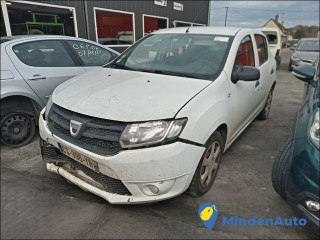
151, 125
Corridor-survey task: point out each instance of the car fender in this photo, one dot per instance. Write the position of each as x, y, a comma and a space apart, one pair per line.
208, 110
11, 88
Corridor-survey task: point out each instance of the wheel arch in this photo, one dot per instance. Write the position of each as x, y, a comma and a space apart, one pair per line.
20, 103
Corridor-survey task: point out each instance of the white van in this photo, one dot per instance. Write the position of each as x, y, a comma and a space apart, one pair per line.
275, 42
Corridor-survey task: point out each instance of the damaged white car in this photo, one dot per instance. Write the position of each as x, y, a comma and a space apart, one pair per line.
156, 121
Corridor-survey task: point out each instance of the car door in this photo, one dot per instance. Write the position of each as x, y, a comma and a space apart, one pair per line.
244, 94
91, 55
44, 64
267, 70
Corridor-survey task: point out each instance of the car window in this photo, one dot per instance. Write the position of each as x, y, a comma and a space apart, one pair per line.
245, 54
272, 36
262, 48
309, 46
190, 55
91, 54
48, 53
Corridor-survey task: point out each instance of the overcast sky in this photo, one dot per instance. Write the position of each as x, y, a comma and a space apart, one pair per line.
291, 12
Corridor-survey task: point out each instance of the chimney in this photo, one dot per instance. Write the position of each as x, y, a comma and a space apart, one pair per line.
277, 18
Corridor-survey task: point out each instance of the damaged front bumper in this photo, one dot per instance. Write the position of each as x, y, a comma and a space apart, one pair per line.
130, 176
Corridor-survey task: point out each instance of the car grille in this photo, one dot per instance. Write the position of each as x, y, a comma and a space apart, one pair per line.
97, 135
112, 185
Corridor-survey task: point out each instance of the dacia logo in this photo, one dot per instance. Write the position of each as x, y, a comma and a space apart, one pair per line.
75, 128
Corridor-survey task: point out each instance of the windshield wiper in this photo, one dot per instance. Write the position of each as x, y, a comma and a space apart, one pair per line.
122, 66
167, 73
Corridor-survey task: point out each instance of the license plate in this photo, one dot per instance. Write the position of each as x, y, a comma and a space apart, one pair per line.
80, 158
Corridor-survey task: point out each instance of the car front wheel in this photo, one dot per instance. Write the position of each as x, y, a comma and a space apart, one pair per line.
17, 129
208, 166
280, 169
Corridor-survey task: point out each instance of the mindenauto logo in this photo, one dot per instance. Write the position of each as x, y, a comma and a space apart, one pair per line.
208, 213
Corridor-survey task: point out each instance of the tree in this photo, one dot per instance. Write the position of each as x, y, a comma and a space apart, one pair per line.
299, 34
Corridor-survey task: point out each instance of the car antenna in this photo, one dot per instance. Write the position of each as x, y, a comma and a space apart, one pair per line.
187, 31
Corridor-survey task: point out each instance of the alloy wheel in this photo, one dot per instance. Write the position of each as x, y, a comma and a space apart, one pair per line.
210, 164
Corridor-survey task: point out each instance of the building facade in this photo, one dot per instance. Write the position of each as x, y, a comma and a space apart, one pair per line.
274, 23
116, 23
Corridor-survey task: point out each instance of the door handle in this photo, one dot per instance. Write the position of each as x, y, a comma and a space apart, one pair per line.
257, 83
37, 77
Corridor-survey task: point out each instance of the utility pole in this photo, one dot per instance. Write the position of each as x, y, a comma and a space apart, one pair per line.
225, 20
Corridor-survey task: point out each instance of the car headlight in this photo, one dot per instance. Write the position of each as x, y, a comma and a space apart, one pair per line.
48, 106
148, 133
315, 131
295, 58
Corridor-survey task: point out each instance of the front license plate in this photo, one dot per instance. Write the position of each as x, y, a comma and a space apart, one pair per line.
80, 158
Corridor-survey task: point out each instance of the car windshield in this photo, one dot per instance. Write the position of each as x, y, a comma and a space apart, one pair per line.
309, 46
271, 36
187, 55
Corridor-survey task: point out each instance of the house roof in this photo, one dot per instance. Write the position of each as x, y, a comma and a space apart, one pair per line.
280, 26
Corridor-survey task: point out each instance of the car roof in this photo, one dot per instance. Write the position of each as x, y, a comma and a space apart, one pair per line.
28, 37
229, 31
18, 38
314, 39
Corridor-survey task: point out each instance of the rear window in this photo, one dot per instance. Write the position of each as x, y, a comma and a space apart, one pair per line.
272, 36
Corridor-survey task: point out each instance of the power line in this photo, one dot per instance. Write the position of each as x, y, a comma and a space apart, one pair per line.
271, 10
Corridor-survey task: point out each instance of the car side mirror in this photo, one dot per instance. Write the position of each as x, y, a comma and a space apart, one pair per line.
305, 73
292, 48
244, 73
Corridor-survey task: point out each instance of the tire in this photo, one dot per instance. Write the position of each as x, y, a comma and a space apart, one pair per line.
17, 129
290, 68
280, 169
264, 114
208, 166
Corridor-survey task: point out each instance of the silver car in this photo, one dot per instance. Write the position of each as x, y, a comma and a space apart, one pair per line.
305, 53
31, 68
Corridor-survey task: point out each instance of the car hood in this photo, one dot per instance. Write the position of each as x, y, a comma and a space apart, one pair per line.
126, 95
312, 56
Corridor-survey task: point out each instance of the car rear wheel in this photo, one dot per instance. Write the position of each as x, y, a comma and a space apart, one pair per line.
264, 114
17, 129
280, 169
208, 166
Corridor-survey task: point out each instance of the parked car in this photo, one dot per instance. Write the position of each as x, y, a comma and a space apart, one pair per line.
293, 47
31, 68
113, 41
275, 42
305, 53
295, 173
149, 126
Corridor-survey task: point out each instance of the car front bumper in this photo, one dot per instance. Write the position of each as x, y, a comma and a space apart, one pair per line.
303, 180
169, 168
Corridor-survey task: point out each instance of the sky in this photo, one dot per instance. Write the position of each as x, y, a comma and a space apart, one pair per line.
292, 13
